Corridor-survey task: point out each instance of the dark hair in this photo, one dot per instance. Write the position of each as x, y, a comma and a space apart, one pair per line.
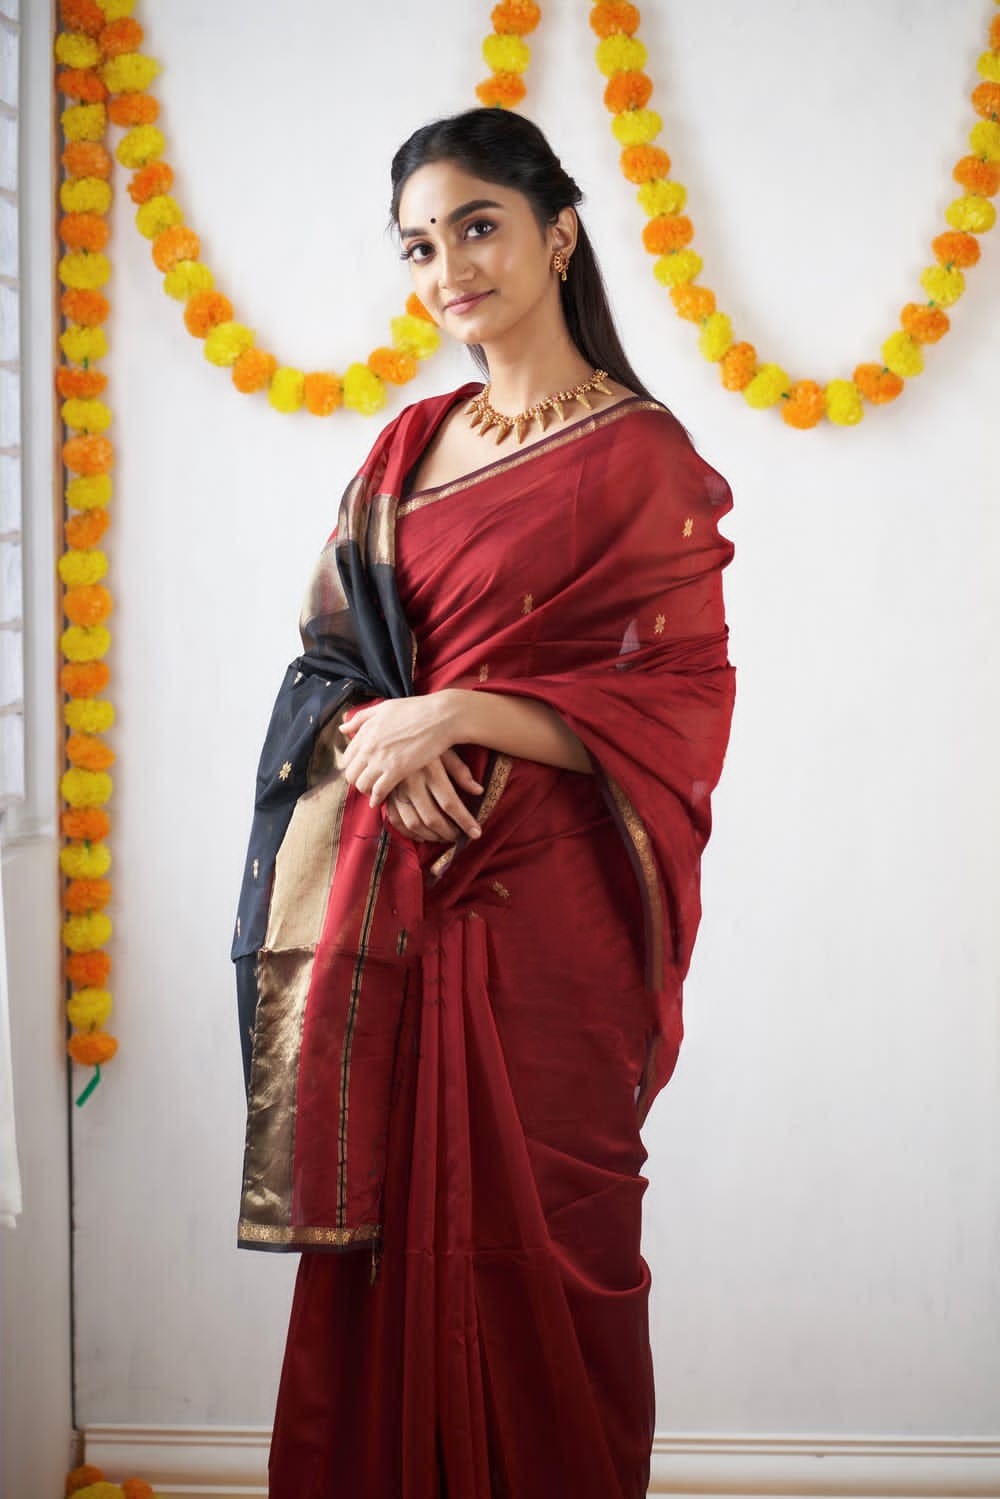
502, 146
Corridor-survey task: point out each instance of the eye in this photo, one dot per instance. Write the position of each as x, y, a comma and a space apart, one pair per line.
421, 244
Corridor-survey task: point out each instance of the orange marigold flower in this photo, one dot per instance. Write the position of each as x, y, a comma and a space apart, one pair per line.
805, 405
137, 1488
133, 109
92, 1049
977, 176
612, 16
253, 370
86, 159
88, 970
502, 91
693, 302
88, 604
515, 17
87, 1473
925, 324
322, 393
82, 15
955, 248
204, 310
995, 34
84, 231
175, 243
667, 232
82, 383
986, 99
416, 308
149, 181
85, 824
90, 454
85, 678
83, 529
877, 384
737, 366
123, 35
627, 91
89, 752
86, 895
644, 163
394, 365
82, 305
82, 84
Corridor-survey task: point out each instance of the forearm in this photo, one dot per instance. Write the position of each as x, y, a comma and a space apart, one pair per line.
517, 726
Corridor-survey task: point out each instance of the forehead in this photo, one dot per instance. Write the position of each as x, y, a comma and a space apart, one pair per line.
440, 186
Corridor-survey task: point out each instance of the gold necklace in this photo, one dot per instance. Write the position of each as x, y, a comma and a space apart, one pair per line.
485, 416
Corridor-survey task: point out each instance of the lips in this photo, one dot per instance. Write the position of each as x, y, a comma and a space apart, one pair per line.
466, 303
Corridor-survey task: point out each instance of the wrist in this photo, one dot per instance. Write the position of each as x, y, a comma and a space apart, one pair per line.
456, 713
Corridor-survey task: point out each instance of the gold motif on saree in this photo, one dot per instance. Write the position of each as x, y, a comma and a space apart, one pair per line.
529, 603
661, 620
688, 526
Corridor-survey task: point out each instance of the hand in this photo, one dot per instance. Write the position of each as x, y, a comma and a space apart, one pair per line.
390, 740
422, 803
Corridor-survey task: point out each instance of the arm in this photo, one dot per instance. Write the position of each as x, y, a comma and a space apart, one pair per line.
516, 726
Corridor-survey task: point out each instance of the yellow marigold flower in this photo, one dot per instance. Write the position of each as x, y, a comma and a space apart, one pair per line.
88, 1007
84, 642
716, 336
661, 196
78, 569
767, 386
84, 122
116, 10
88, 715
85, 195
974, 214
85, 788
988, 66
506, 54
85, 861
83, 934
902, 354
157, 214
414, 335
680, 265
363, 391
620, 54
88, 491
287, 389
141, 145
186, 277
130, 72
84, 268
984, 138
844, 405
79, 344
85, 416
76, 50
942, 285
636, 127
226, 341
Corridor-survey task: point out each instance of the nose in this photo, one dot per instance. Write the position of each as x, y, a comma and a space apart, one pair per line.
453, 268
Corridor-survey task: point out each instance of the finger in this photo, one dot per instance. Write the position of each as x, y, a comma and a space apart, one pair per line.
451, 804
430, 815
460, 772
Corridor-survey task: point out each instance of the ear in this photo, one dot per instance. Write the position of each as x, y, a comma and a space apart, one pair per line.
563, 230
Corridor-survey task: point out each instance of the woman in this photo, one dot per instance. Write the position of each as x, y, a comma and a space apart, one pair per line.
471, 893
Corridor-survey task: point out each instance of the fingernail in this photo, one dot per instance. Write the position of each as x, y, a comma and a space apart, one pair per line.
477, 831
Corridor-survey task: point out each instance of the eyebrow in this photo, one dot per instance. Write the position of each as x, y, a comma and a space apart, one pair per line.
456, 214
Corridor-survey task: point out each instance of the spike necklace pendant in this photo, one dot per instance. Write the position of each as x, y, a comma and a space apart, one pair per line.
485, 416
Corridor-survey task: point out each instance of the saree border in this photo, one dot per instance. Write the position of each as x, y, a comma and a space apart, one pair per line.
635, 828
495, 787
551, 444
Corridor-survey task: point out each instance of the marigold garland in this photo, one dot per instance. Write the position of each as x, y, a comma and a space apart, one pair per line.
669, 234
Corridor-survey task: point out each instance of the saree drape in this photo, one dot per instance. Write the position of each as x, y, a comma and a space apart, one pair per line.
449, 1049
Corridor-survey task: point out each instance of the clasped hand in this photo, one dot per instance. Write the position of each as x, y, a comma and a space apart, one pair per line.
400, 751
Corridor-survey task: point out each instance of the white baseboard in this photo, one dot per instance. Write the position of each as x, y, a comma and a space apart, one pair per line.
230, 1462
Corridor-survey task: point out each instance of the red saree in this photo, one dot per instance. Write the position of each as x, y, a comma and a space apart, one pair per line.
454, 1046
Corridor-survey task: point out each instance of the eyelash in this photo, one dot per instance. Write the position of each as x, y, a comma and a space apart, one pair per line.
422, 260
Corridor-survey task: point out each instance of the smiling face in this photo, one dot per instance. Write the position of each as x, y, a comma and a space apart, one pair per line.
478, 246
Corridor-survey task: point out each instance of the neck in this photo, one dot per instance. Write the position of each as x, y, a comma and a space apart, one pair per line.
526, 371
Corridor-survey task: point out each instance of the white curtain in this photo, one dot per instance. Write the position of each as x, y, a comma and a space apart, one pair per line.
10, 1176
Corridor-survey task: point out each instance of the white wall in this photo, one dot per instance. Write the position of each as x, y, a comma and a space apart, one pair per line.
822, 1220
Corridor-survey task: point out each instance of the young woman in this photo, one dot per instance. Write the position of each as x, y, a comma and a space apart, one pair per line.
472, 888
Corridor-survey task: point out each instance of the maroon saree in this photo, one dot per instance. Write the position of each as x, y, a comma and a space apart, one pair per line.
454, 1045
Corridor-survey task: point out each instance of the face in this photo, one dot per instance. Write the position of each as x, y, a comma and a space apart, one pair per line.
477, 246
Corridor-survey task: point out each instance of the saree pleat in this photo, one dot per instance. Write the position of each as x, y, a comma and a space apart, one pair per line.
452, 1063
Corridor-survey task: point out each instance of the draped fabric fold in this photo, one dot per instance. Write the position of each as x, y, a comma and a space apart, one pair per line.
449, 1049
